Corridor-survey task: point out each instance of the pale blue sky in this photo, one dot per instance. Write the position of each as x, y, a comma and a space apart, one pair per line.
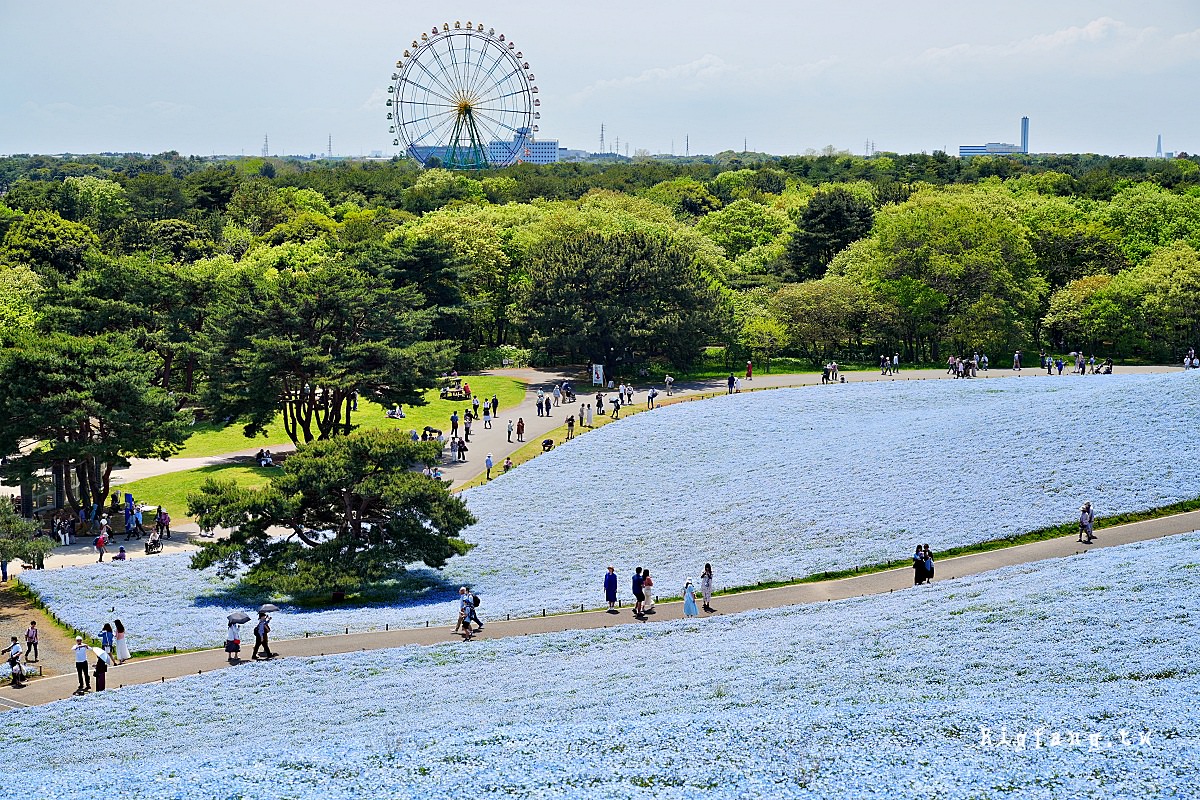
213, 77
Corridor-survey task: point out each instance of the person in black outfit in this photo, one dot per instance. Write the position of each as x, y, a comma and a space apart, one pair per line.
261, 633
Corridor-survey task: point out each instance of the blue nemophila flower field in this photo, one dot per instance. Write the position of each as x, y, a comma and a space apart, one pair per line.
922, 693
766, 486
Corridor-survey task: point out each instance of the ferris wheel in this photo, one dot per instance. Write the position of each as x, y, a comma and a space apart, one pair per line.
465, 97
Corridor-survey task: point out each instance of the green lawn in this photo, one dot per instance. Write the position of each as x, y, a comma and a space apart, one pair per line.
211, 439
171, 490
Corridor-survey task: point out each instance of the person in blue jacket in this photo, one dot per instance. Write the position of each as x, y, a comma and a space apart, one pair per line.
610, 588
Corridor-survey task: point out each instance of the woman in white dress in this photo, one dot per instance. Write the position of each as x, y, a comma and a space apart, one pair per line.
706, 586
122, 642
648, 588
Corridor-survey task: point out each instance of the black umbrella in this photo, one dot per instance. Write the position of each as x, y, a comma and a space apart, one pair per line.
238, 617
268, 608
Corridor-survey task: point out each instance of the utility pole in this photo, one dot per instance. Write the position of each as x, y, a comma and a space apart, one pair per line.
266, 149
329, 151
602, 137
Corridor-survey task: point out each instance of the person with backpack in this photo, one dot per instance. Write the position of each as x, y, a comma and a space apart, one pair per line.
100, 542
262, 631
473, 608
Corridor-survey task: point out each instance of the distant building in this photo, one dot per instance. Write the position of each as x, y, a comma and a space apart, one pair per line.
998, 148
525, 149
989, 149
567, 154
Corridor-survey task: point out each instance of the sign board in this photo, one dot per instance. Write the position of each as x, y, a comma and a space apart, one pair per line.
597, 374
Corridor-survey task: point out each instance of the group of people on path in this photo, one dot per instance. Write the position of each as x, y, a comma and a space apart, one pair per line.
961, 367
922, 565
889, 366
262, 639
113, 651
643, 592
13, 653
468, 612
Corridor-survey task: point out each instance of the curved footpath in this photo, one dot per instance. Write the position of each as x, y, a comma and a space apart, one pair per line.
495, 440
154, 670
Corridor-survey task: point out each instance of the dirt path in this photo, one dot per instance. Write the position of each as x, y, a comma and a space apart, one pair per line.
154, 670
54, 646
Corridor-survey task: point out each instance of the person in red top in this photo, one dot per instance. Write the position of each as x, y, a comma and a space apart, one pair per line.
749, 371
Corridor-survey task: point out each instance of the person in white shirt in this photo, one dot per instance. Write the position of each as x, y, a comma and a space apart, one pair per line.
81, 664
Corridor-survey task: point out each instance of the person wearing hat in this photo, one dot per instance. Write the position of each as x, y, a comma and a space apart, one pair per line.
120, 556
1086, 520
101, 669
81, 664
487, 462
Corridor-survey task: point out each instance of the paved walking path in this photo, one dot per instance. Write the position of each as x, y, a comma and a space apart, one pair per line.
154, 670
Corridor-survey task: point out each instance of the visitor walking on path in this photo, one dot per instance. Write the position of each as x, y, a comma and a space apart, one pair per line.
122, 642
616, 404
81, 664
233, 642
488, 464
100, 543
487, 417
706, 586
639, 596
610, 588
669, 383
520, 429
689, 600
648, 590
31, 642
588, 408
928, 557
453, 424
262, 631
570, 427
495, 404
749, 371
510, 430
918, 566
729, 384
1086, 522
